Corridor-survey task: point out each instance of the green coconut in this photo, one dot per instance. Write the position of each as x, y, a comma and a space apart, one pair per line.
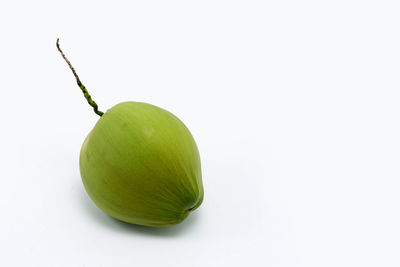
140, 164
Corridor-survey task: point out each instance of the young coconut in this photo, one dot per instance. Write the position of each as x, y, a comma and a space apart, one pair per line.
140, 164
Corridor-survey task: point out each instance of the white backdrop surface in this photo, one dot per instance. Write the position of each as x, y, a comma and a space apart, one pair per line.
295, 107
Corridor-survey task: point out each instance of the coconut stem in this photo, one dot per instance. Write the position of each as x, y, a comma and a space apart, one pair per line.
83, 88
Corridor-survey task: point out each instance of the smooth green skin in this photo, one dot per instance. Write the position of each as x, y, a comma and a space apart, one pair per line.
141, 165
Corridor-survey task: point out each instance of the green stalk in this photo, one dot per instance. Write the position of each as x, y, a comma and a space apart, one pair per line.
83, 88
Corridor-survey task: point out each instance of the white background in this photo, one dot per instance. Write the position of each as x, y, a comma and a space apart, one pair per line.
295, 106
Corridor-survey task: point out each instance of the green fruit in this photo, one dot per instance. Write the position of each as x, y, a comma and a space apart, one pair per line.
140, 164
